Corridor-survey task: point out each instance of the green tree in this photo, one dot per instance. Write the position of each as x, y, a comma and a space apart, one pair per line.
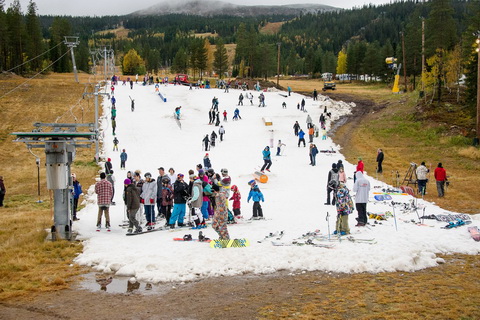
16, 36
34, 45
3, 37
180, 61
220, 62
59, 29
133, 63
373, 61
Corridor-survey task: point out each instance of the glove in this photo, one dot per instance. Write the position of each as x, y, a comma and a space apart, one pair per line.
142, 201
189, 202
152, 201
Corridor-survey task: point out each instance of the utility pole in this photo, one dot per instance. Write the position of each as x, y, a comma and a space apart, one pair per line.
96, 93
278, 64
72, 42
404, 63
105, 63
422, 93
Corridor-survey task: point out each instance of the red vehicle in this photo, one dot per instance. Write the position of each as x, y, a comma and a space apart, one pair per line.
181, 78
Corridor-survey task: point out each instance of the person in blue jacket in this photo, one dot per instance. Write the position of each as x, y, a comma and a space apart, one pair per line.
123, 159
77, 191
266, 159
301, 137
256, 195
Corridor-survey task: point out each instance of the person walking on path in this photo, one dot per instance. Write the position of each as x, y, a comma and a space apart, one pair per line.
132, 202
315, 95
301, 138
313, 154
123, 159
380, 157
280, 144
361, 188
440, 175
3, 191
115, 144
221, 132
206, 142
296, 128
104, 191
267, 159
77, 191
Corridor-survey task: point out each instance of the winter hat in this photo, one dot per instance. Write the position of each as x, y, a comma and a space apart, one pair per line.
201, 172
127, 181
206, 154
166, 180
148, 175
224, 171
334, 166
180, 175
109, 159
234, 188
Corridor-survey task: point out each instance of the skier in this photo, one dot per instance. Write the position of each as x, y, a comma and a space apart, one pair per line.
196, 203
115, 144
123, 159
313, 154
361, 189
315, 95
332, 180
440, 175
220, 216
149, 196
225, 115
279, 147
3, 190
256, 195
240, 99
132, 106
77, 191
206, 162
221, 132
180, 195
236, 197
236, 114
213, 137
422, 178
206, 141
104, 191
132, 201
267, 159
113, 113
344, 208
296, 127
379, 160
284, 105
301, 137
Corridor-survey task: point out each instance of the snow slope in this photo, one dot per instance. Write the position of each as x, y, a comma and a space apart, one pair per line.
294, 195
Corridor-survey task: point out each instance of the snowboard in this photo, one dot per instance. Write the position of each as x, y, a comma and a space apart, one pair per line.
474, 232
382, 197
392, 193
458, 223
145, 231
230, 243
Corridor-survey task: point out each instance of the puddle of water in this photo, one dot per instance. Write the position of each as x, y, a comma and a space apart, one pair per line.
110, 284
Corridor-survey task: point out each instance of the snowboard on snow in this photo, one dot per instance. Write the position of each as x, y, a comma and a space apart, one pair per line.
474, 232
456, 224
382, 197
229, 243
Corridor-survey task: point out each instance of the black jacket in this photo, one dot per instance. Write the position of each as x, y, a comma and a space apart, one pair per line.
180, 192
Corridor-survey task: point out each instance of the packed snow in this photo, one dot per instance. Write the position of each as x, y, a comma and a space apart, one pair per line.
294, 194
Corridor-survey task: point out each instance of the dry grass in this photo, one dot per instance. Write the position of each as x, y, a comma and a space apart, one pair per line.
206, 35
120, 33
271, 28
29, 264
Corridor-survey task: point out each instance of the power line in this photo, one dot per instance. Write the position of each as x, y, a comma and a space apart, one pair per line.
33, 76
34, 58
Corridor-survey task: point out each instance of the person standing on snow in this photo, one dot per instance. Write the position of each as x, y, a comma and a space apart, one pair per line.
296, 127
180, 195
196, 203
440, 175
311, 132
236, 114
315, 95
332, 183
256, 195
344, 208
123, 159
115, 144
206, 162
132, 202
77, 191
104, 191
267, 159
220, 216
221, 132
279, 147
108, 166
301, 137
206, 141
149, 196
240, 99
236, 197
313, 154
361, 189
422, 179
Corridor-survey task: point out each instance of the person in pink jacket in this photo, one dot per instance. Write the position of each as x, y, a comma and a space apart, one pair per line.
236, 196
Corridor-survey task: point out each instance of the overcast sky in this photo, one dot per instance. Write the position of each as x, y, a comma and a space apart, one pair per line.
120, 7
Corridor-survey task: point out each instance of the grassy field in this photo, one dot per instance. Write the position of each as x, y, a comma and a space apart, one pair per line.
29, 265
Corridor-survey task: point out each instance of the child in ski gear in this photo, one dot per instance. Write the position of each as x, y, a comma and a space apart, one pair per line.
236, 114
284, 105
279, 147
149, 196
115, 144
267, 159
440, 175
256, 195
77, 191
344, 208
220, 216
104, 191
342, 176
236, 196
132, 201
332, 176
324, 134
123, 159
361, 189
422, 178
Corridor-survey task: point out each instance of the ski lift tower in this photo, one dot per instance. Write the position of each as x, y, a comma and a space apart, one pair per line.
72, 42
60, 145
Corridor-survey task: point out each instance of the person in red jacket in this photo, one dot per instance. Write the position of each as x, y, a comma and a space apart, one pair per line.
441, 177
236, 196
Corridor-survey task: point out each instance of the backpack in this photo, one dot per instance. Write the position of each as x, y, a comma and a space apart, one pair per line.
207, 190
334, 176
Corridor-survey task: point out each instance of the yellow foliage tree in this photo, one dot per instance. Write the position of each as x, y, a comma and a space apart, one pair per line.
133, 63
342, 62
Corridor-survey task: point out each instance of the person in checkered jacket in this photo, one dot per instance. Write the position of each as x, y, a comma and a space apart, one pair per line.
104, 191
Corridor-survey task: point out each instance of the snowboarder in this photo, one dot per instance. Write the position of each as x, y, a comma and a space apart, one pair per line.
149, 196
104, 191
440, 175
115, 144
206, 141
132, 202
220, 216
379, 160
267, 159
279, 147
123, 159
221, 132
77, 191
361, 189
240, 99
332, 183
296, 127
313, 154
256, 195
344, 208
236, 114
301, 137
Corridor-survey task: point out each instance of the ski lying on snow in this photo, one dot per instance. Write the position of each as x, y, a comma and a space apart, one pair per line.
300, 244
145, 231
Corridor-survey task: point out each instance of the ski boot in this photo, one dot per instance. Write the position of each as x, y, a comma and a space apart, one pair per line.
187, 237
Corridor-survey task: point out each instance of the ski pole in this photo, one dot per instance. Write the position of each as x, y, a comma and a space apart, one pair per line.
328, 224
394, 216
